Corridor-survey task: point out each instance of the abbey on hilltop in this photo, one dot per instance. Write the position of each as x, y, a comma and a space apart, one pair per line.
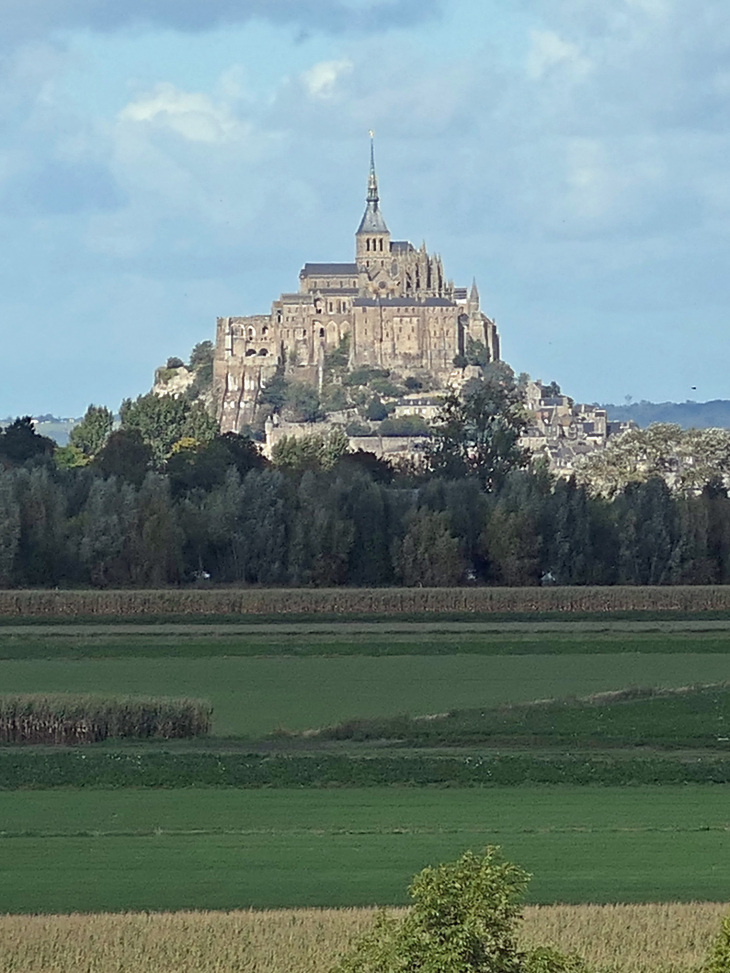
393, 303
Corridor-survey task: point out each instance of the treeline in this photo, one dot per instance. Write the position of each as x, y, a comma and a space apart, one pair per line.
220, 512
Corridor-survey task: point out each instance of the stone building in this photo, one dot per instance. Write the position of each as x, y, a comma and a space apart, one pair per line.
563, 431
393, 301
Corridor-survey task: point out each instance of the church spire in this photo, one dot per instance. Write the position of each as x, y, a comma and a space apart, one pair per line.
372, 178
372, 221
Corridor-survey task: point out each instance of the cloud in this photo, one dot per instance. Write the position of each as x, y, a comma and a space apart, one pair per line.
27, 19
321, 80
192, 115
548, 50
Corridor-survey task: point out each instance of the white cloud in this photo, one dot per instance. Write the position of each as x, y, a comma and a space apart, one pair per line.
193, 115
548, 50
321, 80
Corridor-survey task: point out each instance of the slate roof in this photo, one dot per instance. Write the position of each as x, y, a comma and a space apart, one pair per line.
372, 219
401, 302
329, 270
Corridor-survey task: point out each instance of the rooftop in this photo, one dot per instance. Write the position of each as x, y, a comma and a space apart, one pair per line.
329, 270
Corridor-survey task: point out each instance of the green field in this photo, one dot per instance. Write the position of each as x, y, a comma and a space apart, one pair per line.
255, 696
260, 683
199, 847
98, 851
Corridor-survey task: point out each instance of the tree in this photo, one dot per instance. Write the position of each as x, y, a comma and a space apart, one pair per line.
477, 433
162, 421
302, 403
125, 455
300, 453
105, 525
375, 410
202, 358
719, 958
429, 554
463, 920
93, 430
686, 459
19, 442
9, 528
274, 393
201, 466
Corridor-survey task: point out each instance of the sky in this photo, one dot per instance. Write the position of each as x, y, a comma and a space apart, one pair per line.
165, 162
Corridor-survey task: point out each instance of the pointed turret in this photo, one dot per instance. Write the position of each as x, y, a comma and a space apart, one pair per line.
474, 295
373, 236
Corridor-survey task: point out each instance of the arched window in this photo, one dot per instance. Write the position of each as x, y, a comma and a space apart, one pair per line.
321, 332
265, 332
263, 353
251, 334
250, 352
367, 244
381, 243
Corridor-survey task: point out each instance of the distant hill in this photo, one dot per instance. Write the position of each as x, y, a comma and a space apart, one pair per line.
688, 415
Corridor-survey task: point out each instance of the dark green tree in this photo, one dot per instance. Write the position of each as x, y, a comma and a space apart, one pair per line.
105, 524
429, 554
125, 455
302, 403
19, 442
9, 528
477, 433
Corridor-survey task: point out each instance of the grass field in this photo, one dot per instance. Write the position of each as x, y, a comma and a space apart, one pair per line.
66, 851
129, 849
671, 938
255, 696
696, 717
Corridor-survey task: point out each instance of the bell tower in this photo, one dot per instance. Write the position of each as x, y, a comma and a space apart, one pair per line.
373, 236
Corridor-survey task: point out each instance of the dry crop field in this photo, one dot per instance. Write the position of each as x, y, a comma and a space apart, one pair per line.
366, 602
656, 938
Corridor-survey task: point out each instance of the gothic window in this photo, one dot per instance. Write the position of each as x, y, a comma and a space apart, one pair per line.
265, 332
321, 332
367, 244
381, 243
251, 334
331, 307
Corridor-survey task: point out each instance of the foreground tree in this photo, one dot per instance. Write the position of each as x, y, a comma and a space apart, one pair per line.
719, 960
463, 920
477, 432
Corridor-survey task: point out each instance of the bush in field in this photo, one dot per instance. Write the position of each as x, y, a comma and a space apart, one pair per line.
463, 920
719, 961
66, 719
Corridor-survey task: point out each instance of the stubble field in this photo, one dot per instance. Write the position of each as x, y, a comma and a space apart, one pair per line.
649, 938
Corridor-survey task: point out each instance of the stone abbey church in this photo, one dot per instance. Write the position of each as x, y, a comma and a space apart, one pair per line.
393, 301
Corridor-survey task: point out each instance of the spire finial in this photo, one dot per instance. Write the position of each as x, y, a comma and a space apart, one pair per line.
372, 178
